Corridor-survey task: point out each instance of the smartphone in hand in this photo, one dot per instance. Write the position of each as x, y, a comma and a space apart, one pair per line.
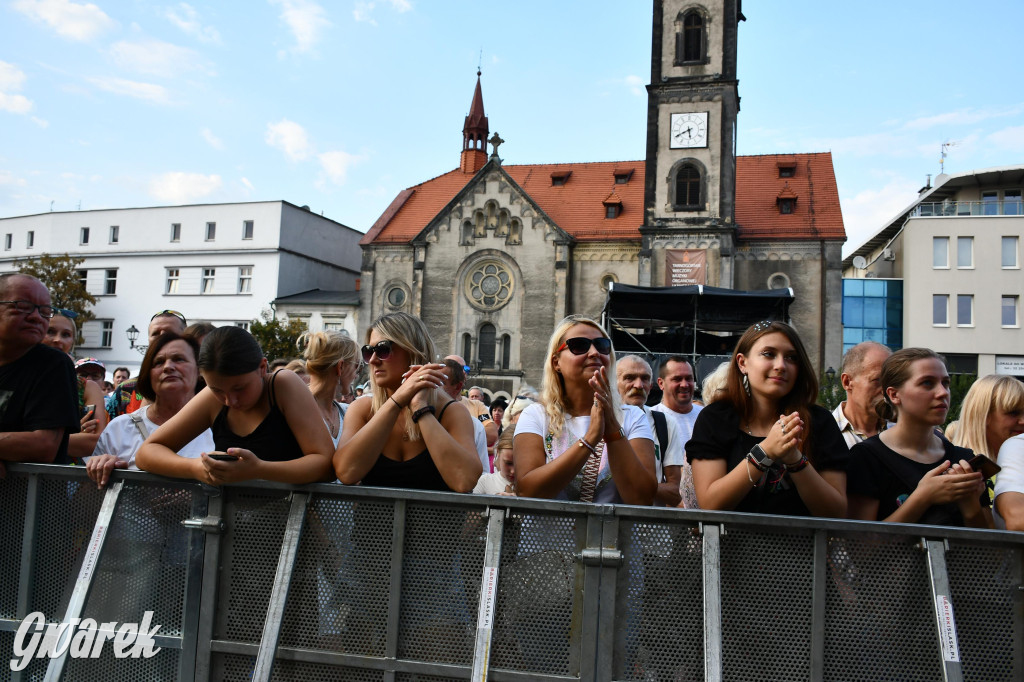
987, 467
88, 412
223, 456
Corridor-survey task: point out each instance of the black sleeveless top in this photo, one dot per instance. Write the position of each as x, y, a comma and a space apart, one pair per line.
418, 473
271, 441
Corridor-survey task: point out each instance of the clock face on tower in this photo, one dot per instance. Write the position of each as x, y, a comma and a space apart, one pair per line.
689, 130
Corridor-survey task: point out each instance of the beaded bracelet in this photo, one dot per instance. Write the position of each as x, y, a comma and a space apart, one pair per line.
588, 446
799, 466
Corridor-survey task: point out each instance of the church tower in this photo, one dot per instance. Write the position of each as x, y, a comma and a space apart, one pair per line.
690, 185
474, 134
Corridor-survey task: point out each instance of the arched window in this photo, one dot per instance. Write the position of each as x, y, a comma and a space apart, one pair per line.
687, 188
506, 350
467, 348
691, 46
486, 345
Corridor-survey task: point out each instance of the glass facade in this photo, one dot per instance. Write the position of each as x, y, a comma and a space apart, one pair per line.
873, 311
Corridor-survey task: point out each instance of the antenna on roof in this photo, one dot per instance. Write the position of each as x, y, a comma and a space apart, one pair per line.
942, 161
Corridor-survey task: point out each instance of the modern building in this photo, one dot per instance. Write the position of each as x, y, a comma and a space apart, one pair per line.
949, 269
220, 263
493, 256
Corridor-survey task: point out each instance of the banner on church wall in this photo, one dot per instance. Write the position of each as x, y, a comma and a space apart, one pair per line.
685, 266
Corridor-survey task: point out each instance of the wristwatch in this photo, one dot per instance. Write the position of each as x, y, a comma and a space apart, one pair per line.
760, 458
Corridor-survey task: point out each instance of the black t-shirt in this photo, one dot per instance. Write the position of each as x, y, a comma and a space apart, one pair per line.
38, 391
717, 435
882, 474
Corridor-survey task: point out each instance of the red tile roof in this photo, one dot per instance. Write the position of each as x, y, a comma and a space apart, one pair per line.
578, 206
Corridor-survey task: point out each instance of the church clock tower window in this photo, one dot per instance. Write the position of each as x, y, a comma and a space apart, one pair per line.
691, 38
687, 186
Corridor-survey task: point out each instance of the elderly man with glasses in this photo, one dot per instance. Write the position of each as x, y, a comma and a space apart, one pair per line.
38, 388
125, 399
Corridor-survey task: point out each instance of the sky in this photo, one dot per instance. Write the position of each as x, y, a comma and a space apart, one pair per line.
340, 105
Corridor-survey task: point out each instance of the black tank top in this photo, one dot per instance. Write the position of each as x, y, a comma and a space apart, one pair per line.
271, 441
418, 473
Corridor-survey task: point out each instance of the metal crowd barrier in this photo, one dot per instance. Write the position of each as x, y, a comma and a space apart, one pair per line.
271, 582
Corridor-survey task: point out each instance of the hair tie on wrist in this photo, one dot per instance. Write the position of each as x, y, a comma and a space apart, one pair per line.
392, 399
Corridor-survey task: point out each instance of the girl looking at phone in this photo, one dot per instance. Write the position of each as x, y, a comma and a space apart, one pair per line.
908, 473
268, 422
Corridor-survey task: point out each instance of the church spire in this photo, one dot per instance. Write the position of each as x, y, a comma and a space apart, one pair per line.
474, 133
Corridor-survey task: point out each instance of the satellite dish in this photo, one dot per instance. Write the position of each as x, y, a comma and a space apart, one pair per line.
859, 262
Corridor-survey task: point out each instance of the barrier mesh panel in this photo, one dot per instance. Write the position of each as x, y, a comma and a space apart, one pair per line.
339, 595
767, 578
419, 677
7, 648
540, 595
987, 608
442, 563
879, 622
659, 598
144, 559
64, 522
250, 548
236, 668
163, 666
12, 510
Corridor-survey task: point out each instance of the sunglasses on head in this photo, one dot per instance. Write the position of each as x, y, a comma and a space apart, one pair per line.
382, 349
580, 344
172, 313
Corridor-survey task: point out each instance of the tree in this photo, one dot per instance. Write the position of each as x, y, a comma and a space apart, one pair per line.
276, 338
60, 274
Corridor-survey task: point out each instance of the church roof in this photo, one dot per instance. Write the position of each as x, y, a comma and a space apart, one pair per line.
578, 205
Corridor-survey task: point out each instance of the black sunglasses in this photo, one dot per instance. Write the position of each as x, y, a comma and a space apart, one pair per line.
172, 313
382, 349
580, 344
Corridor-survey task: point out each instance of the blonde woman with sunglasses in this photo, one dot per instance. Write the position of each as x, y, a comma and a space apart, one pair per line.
409, 433
579, 443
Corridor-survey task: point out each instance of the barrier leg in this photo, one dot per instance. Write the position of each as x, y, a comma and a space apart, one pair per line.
945, 622
712, 603
488, 594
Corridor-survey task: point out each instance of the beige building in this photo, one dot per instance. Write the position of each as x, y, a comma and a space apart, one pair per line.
957, 251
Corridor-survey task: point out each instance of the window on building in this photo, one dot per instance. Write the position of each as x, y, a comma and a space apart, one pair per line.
83, 236
1010, 245
612, 210
964, 310
115, 234
940, 252
242, 325
787, 171
110, 283
1010, 311
622, 176
786, 206
1012, 204
940, 310
175, 232
486, 349
335, 324
211, 231
83, 278
8, 238
173, 278
965, 252
467, 347
559, 178
690, 41
30, 239
245, 280
506, 351
207, 284
687, 187
247, 229
990, 203
107, 333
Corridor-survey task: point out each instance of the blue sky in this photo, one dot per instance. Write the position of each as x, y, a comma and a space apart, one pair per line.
340, 105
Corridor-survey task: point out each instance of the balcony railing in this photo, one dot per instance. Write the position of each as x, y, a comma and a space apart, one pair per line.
969, 208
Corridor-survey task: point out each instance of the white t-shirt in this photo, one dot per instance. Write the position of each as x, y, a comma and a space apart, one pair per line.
684, 427
480, 440
534, 420
122, 439
491, 484
1011, 478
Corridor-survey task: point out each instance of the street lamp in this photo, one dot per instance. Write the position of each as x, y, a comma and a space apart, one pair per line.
830, 374
133, 334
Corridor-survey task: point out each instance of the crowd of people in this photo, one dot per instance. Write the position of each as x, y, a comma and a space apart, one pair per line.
207, 405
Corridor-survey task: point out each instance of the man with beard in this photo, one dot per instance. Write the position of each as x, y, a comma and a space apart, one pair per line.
860, 377
633, 380
676, 381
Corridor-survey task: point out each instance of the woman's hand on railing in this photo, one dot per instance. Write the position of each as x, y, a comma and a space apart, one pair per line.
245, 468
99, 468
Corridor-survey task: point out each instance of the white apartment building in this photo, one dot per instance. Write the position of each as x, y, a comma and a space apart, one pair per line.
219, 263
956, 254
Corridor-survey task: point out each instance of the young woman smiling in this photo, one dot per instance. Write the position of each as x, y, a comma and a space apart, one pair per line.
908, 473
763, 445
270, 424
578, 443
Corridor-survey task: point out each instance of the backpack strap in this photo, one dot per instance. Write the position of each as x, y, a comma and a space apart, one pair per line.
136, 418
661, 429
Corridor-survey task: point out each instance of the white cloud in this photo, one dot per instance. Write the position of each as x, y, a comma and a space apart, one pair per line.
249, 189
636, 85
180, 188
211, 139
69, 19
961, 117
305, 19
11, 77
869, 211
41, 122
1008, 139
15, 104
155, 57
9, 178
289, 137
185, 17
363, 10
336, 165
120, 86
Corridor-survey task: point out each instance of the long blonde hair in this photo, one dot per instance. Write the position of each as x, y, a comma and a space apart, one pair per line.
552, 392
985, 395
409, 332
325, 349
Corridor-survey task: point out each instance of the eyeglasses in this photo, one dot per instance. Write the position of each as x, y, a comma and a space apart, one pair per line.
172, 313
382, 349
26, 308
579, 345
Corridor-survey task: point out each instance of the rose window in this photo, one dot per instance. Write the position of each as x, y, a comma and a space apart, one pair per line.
489, 285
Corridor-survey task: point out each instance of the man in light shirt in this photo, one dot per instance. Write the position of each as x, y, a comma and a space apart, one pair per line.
677, 382
861, 379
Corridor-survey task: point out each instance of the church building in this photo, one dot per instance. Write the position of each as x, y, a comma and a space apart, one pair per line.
491, 256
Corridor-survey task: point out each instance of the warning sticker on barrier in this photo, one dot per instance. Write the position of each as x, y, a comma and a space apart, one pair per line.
489, 588
947, 629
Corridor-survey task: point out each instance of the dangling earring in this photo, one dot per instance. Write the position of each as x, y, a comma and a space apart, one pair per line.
746, 384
